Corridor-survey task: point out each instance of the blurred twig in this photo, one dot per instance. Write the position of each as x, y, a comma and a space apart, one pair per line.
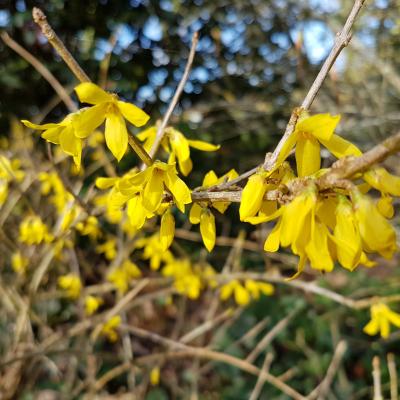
58, 88
174, 101
40, 18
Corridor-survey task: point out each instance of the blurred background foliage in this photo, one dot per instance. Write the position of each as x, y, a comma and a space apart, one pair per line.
254, 63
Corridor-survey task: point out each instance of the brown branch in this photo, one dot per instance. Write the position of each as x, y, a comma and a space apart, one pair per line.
348, 167
203, 353
56, 85
322, 389
174, 101
394, 391
40, 18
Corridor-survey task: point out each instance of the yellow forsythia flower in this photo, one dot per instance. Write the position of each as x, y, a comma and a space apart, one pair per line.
108, 107
123, 274
109, 248
243, 294
109, 328
167, 229
376, 232
307, 136
32, 230
92, 303
89, 227
71, 284
385, 206
70, 132
186, 280
175, 143
19, 263
155, 376
381, 318
153, 251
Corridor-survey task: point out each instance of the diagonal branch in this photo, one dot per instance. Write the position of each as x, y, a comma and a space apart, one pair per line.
174, 101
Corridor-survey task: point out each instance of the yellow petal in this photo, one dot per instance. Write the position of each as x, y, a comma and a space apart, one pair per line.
242, 296
105, 183
153, 191
308, 158
252, 196
116, 135
195, 212
133, 114
92, 94
203, 146
137, 214
185, 166
383, 181
372, 328
53, 135
210, 178
340, 147
317, 250
89, 119
178, 189
167, 230
385, 206
69, 143
207, 229
38, 127
321, 126
273, 239
287, 148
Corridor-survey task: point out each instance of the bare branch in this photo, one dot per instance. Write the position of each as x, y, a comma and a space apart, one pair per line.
56, 85
40, 18
174, 101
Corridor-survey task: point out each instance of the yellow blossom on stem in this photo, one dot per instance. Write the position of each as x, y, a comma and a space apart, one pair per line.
70, 132
153, 251
177, 145
376, 232
71, 284
307, 136
123, 274
235, 288
19, 263
92, 303
108, 248
108, 107
109, 328
89, 227
32, 230
381, 318
186, 280
383, 181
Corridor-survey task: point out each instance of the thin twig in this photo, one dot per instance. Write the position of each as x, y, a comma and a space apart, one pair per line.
376, 375
260, 381
202, 353
56, 85
394, 390
174, 101
267, 339
40, 18
341, 41
322, 389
